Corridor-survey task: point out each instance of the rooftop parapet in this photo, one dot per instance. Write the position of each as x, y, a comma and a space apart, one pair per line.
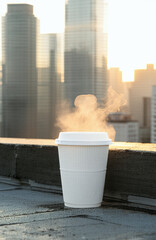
131, 168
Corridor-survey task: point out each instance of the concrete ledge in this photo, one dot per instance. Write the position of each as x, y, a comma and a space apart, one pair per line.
131, 169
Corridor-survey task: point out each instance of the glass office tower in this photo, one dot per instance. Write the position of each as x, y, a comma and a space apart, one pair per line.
48, 85
19, 72
85, 60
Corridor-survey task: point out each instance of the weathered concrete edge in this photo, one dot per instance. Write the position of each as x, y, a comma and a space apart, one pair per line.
129, 172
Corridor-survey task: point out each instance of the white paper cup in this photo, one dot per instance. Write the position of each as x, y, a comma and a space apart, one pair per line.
83, 162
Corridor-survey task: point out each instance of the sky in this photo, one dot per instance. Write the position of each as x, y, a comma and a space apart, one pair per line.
131, 29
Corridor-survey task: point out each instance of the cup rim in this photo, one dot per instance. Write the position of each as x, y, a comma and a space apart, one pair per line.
84, 143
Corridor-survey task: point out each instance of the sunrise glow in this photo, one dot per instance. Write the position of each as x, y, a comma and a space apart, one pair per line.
131, 29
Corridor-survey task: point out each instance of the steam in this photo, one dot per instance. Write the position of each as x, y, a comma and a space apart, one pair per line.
88, 115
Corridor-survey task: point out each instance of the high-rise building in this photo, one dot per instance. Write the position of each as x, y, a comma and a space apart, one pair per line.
85, 59
49, 84
153, 115
19, 71
140, 99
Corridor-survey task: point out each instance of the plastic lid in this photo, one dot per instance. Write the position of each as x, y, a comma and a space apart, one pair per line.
83, 138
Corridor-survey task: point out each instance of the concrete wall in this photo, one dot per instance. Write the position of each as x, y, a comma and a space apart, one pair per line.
131, 169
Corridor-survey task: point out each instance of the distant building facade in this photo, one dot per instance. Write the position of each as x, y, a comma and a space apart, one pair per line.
126, 129
50, 78
115, 81
85, 56
19, 100
153, 115
140, 99
47, 78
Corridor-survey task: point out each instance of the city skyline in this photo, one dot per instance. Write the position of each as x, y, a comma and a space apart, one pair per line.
131, 35
42, 69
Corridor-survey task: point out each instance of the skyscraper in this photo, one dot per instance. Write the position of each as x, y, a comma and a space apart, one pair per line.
47, 86
19, 72
85, 60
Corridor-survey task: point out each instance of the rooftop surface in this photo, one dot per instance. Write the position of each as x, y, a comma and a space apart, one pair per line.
32, 214
31, 202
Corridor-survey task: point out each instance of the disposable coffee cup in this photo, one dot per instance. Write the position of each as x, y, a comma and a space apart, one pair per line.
83, 162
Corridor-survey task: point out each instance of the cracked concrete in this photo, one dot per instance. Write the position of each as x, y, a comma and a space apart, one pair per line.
28, 214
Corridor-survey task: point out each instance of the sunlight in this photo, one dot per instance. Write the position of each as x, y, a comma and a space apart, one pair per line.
131, 35
127, 75
51, 14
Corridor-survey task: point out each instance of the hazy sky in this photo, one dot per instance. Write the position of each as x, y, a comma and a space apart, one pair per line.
132, 29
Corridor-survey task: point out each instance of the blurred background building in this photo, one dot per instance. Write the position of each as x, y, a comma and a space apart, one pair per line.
85, 49
19, 97
140, 99
32, 75
115, 80
50, 83
39, 71
47, 79
127, 130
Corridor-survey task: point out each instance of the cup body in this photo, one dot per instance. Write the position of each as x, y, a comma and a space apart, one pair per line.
83, 170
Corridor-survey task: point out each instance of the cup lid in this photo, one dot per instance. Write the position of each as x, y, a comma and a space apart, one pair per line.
83, 138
